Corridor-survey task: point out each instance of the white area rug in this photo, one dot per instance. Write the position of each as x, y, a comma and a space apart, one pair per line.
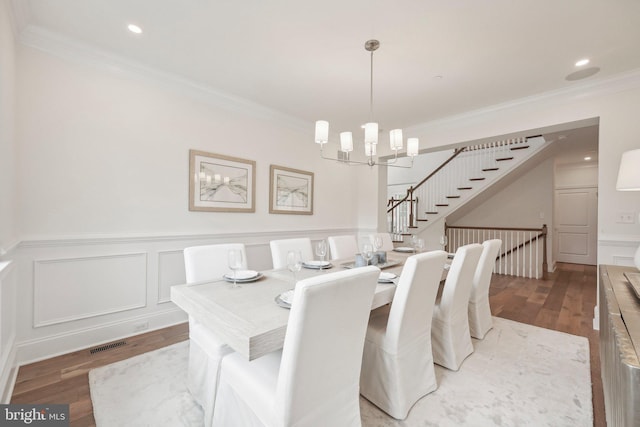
519, 375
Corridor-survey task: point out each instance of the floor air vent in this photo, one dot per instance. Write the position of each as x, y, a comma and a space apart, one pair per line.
107, 347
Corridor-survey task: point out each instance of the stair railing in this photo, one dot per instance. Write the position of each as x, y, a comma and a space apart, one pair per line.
447, 181
523, 252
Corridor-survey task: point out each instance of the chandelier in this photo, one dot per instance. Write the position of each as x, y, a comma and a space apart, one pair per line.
370, 134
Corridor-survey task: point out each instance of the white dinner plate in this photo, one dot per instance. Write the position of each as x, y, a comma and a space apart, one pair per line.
284, 299
386, 277
318, 265
246, 277
404, 249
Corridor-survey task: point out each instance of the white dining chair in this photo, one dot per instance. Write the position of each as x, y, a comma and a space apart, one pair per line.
313, 380
343, 246
480, 321
280, 248
387, 243
206, 350
397, 363
450, 336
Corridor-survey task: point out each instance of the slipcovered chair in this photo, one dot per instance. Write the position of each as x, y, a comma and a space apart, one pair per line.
280, 248
450, 336
397, 364
387, 243
480, 321
343, 246
206, 351
313, 380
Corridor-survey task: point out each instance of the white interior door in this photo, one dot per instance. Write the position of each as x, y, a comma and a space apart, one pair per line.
576, 218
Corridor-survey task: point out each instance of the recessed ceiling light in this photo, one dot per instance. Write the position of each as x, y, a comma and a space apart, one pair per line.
582, 62
134, 28
587, 158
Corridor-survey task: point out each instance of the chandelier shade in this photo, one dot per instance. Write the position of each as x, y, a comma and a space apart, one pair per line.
371, 134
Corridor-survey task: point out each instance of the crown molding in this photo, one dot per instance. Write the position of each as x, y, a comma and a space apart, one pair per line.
73, 50
619, 82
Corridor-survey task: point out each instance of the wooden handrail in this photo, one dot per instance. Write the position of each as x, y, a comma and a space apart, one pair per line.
542, 234
410, 190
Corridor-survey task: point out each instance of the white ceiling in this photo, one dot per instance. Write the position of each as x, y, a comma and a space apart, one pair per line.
307, 59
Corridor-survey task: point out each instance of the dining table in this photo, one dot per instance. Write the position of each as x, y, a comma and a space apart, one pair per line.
248, 318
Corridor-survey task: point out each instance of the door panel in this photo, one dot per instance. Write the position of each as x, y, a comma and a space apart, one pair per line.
576, 213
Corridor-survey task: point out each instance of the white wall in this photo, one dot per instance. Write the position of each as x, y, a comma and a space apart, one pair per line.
8, 232
614, 102
525, 202
102, 178
8, 235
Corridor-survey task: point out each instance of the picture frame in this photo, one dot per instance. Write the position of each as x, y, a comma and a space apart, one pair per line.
219, 183
290, 191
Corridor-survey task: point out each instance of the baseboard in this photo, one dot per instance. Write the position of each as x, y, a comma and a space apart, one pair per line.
55, 345
8, 373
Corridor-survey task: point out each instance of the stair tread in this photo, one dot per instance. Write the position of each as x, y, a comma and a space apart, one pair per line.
465, 188
431, 213
521, 147
441, 204
502, 159
422, 219
489, 169
453, 197
477, 179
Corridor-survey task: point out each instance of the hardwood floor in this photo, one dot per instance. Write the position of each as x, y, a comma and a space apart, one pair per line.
563, 302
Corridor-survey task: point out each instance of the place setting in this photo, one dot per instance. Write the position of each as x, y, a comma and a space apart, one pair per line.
321, 252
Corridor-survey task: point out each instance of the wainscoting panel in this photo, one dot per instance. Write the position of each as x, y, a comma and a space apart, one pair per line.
77, 288
170, 272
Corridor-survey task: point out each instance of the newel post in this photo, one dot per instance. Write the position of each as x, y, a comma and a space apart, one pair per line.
410, 196
544, 252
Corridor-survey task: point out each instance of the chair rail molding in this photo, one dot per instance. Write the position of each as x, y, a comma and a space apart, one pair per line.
80, 291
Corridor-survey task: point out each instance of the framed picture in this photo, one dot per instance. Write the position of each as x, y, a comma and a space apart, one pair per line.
290, 191
220, 183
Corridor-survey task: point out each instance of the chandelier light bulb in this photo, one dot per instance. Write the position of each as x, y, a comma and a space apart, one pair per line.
346, 142
412, 147
395, 139
322, 131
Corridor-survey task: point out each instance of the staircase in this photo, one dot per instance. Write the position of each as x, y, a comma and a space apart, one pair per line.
468, 172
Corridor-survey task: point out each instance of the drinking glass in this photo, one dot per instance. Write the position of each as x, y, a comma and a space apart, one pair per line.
443, 241
321, 249
377, 242
367, 252
294, 263
234, 258
419, 245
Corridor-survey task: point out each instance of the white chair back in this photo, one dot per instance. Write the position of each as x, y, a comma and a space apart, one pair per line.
280, 248
387, 243
343, 246
480, 321
457, 287
482, 276
322, 354
450, 336
397, 364
412, 307
209, 262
